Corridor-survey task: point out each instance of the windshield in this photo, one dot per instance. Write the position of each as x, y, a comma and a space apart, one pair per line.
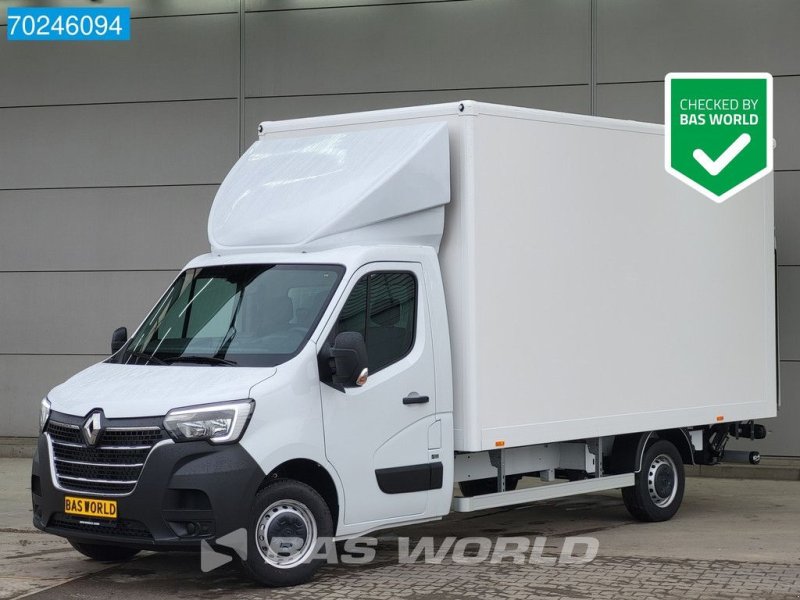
237, 315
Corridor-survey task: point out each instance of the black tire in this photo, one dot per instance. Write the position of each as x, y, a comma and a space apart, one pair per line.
104, 552
658, 491
479, 487
295, 510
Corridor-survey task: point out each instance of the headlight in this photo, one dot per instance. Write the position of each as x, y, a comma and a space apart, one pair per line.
44, 414
217, 423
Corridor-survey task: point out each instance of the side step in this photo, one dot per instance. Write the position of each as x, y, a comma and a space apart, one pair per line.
543, 492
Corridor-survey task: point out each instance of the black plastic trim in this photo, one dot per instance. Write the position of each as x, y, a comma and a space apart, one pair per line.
410, 478
167, 495
416, 399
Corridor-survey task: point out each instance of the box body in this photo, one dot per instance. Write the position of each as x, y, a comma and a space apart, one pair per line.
588, 292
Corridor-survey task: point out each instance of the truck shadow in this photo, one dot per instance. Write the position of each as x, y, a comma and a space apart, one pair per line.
178, 574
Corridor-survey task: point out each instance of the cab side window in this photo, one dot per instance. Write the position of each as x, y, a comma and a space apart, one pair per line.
382, 308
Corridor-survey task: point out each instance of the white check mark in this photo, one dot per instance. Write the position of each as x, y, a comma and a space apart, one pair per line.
716, 166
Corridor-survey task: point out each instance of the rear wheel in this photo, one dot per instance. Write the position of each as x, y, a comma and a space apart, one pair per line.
287, 521
104, 552
658, 491
479, 487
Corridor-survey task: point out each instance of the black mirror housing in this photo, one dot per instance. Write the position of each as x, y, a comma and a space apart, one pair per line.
118, 339
348, 358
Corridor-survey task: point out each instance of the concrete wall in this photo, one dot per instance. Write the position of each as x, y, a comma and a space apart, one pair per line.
110, 154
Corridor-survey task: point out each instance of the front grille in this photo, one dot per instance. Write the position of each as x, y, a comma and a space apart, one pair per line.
97, 471
118, 527
111, 467
63, 432
101, 488
83, 454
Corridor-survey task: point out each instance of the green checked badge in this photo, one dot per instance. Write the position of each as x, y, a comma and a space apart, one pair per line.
718, 136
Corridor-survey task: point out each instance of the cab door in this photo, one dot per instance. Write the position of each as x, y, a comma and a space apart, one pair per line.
381, 437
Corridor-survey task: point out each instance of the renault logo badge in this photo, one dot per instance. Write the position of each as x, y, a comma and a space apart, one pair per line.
92, 427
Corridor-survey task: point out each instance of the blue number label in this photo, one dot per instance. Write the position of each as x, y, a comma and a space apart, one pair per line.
68, 24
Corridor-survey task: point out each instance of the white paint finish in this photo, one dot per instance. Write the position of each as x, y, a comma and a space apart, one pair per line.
570, 98
383, 186
644, 40
283, 430
645, 102
125, 391
103, 228
411, 47
369, 428
143, 8
634, 303
160, 143
542, 492
73, 313
787, 217
24, 381
171, 59
657, 267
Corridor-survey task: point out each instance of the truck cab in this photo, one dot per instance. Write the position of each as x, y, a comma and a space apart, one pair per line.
400, 301
323, 369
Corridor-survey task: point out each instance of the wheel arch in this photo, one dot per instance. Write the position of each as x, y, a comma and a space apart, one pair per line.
312, 474
628, 449
681, 439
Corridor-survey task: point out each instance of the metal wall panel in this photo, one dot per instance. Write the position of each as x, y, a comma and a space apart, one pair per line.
789, 312
306, 57
787, 217
636, 101
434, 45
160, 143
139, 8
73, 313
787, 125
573, 98
25, 380
643, 40
645, 102
280, 5
171, 59
103, 228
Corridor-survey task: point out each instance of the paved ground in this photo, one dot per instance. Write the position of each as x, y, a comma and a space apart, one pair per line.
731, 540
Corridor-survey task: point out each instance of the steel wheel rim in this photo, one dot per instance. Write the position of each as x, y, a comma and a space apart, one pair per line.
662, 480
286, 534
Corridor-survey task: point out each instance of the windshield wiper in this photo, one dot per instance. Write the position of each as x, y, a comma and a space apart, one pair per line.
207, 360
145, 356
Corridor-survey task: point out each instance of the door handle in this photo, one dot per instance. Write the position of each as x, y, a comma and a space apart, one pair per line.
413, 398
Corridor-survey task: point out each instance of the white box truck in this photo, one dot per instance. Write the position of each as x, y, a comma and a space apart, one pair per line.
403, 300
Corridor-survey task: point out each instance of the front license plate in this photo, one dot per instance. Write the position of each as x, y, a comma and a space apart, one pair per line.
90, 507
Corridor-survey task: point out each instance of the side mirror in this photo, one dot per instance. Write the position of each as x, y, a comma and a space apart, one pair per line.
118, 339
348, 358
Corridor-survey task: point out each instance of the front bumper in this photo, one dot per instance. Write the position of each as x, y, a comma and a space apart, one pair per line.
186, 492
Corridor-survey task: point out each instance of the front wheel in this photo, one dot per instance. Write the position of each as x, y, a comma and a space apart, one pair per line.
287, 521
104, 552
658, 491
